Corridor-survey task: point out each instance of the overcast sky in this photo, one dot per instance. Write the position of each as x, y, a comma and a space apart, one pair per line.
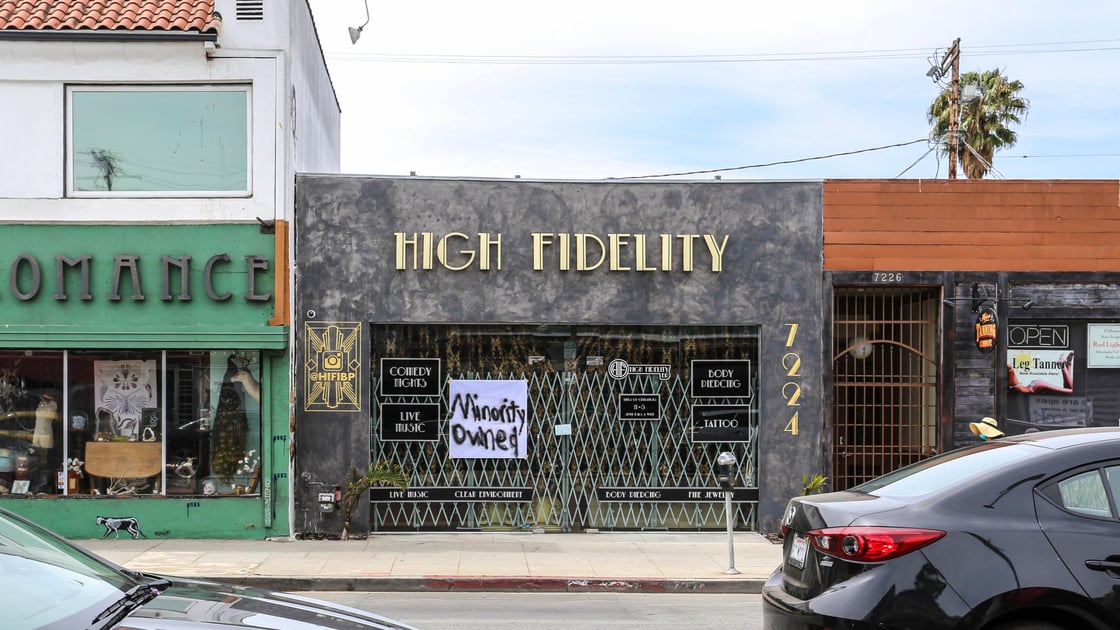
620, 88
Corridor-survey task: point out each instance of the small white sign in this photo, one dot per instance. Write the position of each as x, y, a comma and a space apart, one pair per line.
563, 429
1104, 345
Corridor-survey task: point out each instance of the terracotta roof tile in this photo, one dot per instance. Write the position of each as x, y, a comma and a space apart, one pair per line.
131, 15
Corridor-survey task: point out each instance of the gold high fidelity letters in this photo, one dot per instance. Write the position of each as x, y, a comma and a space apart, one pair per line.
579, 251
629, 252
450, 250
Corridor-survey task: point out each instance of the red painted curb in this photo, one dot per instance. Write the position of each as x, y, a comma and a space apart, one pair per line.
498, 584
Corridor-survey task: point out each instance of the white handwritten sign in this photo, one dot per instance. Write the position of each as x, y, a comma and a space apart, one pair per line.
489, 419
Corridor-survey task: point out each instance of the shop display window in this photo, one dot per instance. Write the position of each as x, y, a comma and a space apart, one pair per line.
113, 423
30, 435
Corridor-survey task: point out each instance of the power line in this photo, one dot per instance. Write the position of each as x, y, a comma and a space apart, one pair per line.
1069, 155
932, 148
782, 57
613, 59
808, 159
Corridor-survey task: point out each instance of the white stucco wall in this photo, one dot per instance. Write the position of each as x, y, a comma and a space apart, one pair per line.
33, 79
31, 164
318, 121
32, 100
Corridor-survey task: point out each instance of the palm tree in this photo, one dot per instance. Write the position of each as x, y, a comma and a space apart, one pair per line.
985, 123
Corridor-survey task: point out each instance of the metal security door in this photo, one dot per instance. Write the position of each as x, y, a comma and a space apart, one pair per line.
885, 380
577, 444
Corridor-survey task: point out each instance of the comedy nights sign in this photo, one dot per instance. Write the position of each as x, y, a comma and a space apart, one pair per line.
489, 419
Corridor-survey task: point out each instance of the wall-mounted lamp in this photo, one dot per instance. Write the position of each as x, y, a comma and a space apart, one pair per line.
861, 348
355, 33
1027, 305
976, 301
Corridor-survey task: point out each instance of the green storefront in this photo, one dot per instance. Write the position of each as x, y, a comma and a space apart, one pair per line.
144, 379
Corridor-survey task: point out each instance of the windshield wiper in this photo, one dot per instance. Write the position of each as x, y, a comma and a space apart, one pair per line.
136, 597
160, 584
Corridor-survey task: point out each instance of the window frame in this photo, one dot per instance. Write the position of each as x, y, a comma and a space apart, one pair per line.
72, 192
70, 378
1052, 492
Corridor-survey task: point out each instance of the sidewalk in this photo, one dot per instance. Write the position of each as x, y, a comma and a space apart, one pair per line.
514, 561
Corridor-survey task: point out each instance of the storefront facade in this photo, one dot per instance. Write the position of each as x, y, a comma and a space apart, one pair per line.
143, 391
952, 301
561, 356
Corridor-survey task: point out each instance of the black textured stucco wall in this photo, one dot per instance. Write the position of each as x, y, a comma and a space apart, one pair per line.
771, 277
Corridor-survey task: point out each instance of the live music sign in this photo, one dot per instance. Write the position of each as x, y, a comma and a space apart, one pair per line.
416, 422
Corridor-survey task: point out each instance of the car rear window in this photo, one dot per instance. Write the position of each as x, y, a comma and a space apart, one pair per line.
944, 471
1085, 494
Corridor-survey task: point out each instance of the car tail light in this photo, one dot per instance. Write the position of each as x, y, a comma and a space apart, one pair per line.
871, 544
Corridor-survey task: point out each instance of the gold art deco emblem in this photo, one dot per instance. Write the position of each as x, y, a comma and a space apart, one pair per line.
332, 366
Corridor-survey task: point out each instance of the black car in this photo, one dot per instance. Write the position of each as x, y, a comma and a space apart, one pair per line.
47, 582
1019, 533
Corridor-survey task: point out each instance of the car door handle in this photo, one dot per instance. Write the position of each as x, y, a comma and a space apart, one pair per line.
1103, 565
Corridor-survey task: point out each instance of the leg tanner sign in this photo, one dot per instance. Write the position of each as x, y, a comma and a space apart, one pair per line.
488, 419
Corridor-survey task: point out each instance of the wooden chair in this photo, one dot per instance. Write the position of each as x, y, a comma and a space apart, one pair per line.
121, 462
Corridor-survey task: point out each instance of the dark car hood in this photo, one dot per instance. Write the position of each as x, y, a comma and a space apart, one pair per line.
211, 606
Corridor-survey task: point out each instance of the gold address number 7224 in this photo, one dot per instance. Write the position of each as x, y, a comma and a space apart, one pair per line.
791, 389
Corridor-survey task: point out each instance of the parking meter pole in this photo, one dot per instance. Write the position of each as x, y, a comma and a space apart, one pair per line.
730, 535
726, 470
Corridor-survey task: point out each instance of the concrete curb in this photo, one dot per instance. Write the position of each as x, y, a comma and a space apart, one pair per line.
495, 584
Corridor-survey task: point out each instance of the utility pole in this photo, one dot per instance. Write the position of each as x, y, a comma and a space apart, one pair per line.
951, 64
955, 104
953, 59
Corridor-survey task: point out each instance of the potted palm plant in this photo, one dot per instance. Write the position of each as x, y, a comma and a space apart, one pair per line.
356, 484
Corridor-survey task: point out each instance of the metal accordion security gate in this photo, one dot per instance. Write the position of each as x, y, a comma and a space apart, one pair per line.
587, 465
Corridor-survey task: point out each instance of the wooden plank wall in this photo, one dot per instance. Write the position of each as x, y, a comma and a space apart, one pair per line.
972, 225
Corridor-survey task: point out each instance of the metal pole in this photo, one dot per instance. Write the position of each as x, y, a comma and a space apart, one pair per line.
730, 536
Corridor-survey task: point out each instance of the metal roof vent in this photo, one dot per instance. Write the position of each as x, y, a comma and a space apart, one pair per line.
250, 9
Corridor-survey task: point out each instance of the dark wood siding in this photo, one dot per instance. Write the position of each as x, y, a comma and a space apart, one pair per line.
967, 225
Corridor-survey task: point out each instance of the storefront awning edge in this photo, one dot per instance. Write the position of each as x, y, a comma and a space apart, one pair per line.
63, 337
